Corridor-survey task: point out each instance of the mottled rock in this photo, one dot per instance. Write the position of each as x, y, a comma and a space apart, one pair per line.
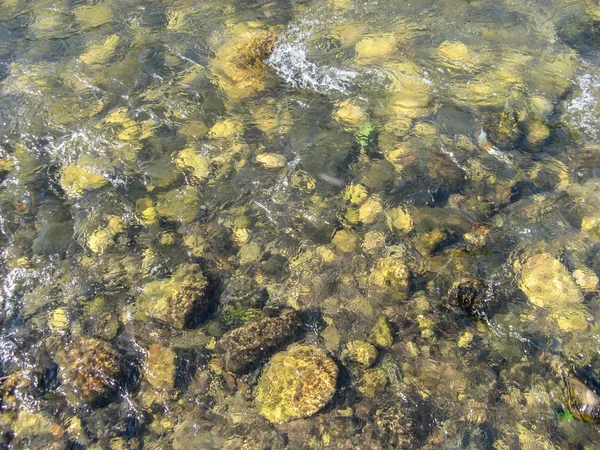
296, 383
548, 285
469, 296
173, 300
584, 402
243, 347
362, 352
89, 369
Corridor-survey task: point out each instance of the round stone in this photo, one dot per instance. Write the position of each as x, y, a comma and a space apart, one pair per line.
296, 383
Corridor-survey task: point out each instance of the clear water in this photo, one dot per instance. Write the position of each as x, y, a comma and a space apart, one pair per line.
430, 164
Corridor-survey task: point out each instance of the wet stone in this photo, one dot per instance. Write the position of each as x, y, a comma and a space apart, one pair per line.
469, 296
583, 400
89, 369
246, 346
296, 383
174, 300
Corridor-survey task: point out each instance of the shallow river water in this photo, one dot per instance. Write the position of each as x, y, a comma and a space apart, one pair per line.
345, 224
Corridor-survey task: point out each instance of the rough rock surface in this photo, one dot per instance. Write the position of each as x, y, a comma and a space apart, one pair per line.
89, 368
243, 347
296, 383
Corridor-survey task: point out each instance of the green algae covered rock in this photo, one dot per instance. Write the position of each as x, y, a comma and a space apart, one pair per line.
173, 299
296, 383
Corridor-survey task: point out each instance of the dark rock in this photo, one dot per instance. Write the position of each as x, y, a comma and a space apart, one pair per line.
469, 296
244, 347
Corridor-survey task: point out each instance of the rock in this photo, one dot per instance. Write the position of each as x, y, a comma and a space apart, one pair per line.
173, 300
75, 179
191, 161
375, 46
100, 239
362, 352
382, 333
390, 272
584, 402
179, 204
244, 347
272, 160
399, 220
345, 240
469, 296
159, 369
238, 66
296, 383
350, 113
370, 210
454, 52
100, 53
357, 194
548, 285
373, 381
537, 133
89, 369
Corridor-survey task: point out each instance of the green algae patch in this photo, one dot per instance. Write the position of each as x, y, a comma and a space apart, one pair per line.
296, 383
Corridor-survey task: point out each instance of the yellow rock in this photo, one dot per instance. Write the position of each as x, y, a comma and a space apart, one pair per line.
101, 53
195, 163
75, 179
57, 320
356, 193
345, 240
591, 225
224, 129
350, 113
541, 106
362, 352
376, 46
382, 333
326, 254
537, 133
99, 241
585, 279
168, 238
272, 160
373, 240
179, 204
349, 33
400, 220
196, 243
249, 253
238, 66
549, 285
93, 15
389, 272
465, 339
159, 369
454, 51
369, 211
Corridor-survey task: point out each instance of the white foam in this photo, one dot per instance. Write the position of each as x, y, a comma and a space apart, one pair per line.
582, 109
290, 61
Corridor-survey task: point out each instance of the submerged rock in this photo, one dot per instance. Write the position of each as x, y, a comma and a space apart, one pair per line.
89, 369
362, 352
584, 402
76, 178
469, 296
296, 383
246, 346
238, 66
173, 300
548, 285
